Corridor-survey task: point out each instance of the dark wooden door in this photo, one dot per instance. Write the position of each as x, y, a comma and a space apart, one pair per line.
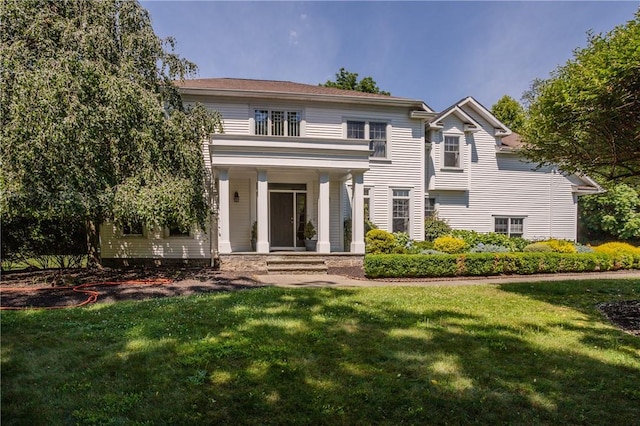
281, 216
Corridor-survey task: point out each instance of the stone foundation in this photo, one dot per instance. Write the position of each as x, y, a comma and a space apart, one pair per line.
150, 262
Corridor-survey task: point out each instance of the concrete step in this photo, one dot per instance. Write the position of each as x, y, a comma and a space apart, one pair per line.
296, 266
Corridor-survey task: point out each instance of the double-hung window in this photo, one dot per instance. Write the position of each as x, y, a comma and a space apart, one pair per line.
401, 210
276, 122
511, 226
429, 207
376, 132
452, 151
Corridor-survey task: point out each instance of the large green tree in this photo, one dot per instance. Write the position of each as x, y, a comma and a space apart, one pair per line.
612, 215
586, 116
510, 112
92, 127
349, 81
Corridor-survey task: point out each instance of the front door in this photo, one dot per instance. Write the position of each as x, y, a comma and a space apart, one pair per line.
287, 216
282, 218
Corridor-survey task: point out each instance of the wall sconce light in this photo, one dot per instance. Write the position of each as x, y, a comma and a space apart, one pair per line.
236, 197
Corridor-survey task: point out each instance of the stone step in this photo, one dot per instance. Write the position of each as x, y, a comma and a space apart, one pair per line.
297, 269
296, 266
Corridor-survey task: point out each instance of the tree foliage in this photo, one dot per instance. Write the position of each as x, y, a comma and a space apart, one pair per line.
349, 81
510, 112
586, 116
92, 127
614, 214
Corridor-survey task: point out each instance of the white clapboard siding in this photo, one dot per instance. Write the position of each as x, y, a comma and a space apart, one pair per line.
153, 245
335, 216
506, 185
240, 214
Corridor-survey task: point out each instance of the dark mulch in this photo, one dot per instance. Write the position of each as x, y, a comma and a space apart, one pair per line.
624, 314
54, 289
50, 288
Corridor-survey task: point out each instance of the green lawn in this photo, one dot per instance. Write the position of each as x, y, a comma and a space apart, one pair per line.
516, 353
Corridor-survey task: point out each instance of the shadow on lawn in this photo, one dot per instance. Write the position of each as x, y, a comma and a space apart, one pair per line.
329, 356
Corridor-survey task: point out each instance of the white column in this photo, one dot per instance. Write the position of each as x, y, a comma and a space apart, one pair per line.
357, 213
324, 244
262, 245
224, 243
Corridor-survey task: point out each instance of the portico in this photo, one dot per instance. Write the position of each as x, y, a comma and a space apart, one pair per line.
282, 183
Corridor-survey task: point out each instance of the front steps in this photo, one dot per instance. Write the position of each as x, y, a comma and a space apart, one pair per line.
292, 262
297, 265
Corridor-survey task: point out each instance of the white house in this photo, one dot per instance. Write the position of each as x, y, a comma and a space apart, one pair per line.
293, 153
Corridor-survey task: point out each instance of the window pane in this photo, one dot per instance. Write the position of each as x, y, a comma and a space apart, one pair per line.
517, 227
293, 120
378, 148
355, 129
429, 206
133, 228
262, 121
502, 225
400, 210
451, 151
378, 131
277, 123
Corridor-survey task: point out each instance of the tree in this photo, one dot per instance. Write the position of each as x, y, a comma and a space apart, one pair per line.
612, 215
349, 81
510, 112
586, 116
93, 128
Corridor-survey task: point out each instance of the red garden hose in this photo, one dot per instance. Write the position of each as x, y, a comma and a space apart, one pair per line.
81, 288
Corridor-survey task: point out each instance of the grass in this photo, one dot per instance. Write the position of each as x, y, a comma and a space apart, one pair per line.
515, 353
49, 261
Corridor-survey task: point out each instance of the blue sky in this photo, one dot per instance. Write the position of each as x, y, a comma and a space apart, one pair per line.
438, 52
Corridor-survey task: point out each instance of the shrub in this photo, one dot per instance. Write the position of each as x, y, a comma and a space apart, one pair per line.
489, 248
430, 251
435, 227
419, 246
561, 246
616, 247
540, 247
449, 244
483, 264
583, 249
519, 243
402, 239
379, 241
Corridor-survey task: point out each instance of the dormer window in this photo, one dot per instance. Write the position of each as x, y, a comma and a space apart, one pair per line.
277, 122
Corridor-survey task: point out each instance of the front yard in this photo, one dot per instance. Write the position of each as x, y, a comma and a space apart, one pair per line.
515, 353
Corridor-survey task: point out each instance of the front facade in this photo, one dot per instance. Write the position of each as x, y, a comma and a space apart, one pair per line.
293, 153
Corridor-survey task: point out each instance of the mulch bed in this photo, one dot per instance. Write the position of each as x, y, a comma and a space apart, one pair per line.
50, 288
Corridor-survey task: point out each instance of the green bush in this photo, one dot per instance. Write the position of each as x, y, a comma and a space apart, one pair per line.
435, 227
379, 241
616, 248
485, 264
448, 244
540, 247
561, 246
419, 246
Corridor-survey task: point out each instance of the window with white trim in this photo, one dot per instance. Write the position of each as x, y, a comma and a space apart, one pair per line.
276, 122
452, 151
511, 226
377, 132
133, 229
401, 210
367, 204
429, 207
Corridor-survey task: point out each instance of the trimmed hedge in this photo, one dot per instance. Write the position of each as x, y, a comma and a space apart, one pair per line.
483, 264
